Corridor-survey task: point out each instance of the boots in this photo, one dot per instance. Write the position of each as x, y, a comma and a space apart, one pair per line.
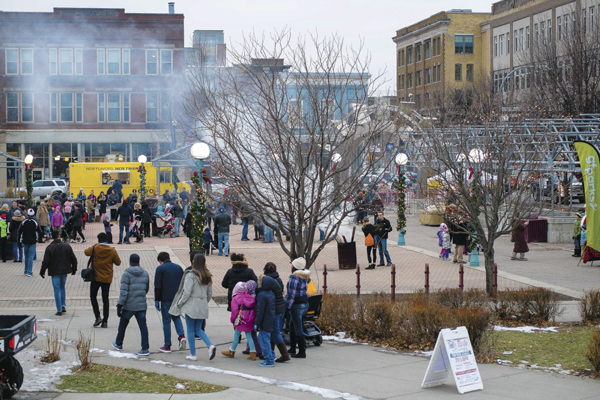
577, 253
228, 353
302, 349
371, 266
284, 353
252, 356
292, 349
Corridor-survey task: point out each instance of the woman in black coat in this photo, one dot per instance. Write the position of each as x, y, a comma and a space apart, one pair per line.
146, 219
239, 272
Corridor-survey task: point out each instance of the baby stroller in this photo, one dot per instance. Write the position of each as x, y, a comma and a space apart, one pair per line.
165, 226
134, 229
312, 333
66, 233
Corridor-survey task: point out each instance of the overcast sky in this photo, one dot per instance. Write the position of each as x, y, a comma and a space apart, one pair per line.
375, 21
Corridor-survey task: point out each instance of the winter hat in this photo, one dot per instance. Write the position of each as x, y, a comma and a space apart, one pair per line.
134, 259
579, 215
299, 263
124, 201
443, 226
17, 213
30, 212
221, 209
240, 287
251, 287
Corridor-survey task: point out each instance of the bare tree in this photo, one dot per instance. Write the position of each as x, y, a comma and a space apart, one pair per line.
291, 131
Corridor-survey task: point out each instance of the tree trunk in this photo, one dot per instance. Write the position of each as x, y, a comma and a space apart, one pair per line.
489, 271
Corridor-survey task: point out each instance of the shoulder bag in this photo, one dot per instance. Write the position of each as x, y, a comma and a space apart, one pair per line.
88, 274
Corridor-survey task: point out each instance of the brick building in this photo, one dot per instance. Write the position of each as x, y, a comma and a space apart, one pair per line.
80, 84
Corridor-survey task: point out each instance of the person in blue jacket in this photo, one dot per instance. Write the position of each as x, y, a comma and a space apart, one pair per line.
264, 322
166, 283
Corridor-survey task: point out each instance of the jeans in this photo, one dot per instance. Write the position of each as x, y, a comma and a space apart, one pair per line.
265, 341
268, 235
166, 320
177, 225
194, 328
121, 227
236, 340
244, 229
383, 250
223, 243
140, 317
17, 252
58, 284
94, 287
296, 332
276, 336
29, 256
321, 234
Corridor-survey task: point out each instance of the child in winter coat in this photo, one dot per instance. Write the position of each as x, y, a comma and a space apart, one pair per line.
446, 243
242, 318
105, 219
207, 241
265, 319
440, 234
57, 218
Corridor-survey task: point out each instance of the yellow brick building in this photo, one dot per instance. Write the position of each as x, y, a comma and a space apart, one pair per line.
444, 52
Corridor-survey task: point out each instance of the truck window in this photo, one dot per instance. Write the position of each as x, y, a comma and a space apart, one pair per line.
165, 177
109, 177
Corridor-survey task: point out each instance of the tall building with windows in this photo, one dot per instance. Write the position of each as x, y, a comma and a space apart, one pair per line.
82, 84
440, 53
210, 48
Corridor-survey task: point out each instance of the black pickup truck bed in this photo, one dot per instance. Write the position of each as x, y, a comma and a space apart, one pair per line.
16, 333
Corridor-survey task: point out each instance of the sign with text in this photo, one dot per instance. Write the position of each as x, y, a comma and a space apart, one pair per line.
453, 353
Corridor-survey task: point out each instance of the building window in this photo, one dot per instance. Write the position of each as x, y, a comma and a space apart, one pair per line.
501, 48
419, 78
463, 44
53, 107
559, 28
434, 73
78, 61
428, 76
151, 62
52, 58
566, 25
12, 107
536, 36
458, 72
439, 73
152, 107
516, 42
434, 49
125, 107
100, 61
12, 61
166, 62
114, 107
26, 61
65, 61
26, 107
495, 46
549, 31
113, 63
592, 20
439, 46
295, 110
427, 50
409, 56
521, 40
418, 52
527, 37
79, 107
470, 73
584, 19
101, 107
400, 58
507, 43
543, 31
126, 62
409, 80
165, 107
66, 107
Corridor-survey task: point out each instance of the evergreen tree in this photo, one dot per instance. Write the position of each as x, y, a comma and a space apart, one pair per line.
401, 188
198, 210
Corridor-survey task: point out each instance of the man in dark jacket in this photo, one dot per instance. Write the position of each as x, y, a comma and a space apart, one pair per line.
383, 228
245, 216
166, 283
77, 221
265, 321
135, 283
29, 234
460, 238
239, 272
146, 219
124, 215
222, 223
59, 260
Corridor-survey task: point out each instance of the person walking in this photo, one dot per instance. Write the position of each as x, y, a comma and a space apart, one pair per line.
135, 284
68, 208
297, 305
43, 219
177, 211
222, 223
242, 318
167, 279
518, 237
3, 236
245, 216
29, 234
13, 228
59, 260
77, 221
125, 216
383, 228
104, 258
371, 238
57, 218
192, 298
265, 321
460, 238
577, 235
270, 270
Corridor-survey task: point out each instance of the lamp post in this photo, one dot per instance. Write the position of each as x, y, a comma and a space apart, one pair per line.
29, 179
142, 170
200, 151
401, 159
336, 158
475, 157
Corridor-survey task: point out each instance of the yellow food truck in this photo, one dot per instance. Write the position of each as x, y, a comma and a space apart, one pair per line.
99, 177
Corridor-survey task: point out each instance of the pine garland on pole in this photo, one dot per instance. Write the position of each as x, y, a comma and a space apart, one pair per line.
29, 184
400, 201
142, 190
198, 209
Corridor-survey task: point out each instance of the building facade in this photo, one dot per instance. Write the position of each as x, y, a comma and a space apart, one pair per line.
443, 52
88, 85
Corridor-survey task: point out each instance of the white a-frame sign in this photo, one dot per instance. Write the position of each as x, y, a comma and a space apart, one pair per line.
453, 353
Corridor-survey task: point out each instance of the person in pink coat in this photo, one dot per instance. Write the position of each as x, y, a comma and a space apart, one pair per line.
57, 218
242, 318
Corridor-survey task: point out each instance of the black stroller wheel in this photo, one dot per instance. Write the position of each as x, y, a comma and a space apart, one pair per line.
317, 341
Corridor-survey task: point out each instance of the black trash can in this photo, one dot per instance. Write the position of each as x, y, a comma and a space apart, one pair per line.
347, 255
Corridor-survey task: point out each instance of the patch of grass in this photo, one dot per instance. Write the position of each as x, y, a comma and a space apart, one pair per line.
568, 347
106, 379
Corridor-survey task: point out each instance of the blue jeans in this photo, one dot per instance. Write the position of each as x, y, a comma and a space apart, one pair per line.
265, 341
140, 317
177, 225
17, 252
29, 256
383, 250
236, 340
276, 336
223, 243
321, 234
166, 320
121, 227
298, 310
194, 328
244, 229
268, 235
58, 284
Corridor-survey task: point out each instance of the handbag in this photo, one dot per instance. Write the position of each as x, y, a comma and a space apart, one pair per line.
88, 274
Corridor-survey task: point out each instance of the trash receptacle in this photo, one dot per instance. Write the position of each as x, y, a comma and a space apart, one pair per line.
347, 255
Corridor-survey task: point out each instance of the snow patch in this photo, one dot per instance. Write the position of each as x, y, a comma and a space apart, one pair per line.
339, 337
118, 354
180, 386
42, 377
526, 329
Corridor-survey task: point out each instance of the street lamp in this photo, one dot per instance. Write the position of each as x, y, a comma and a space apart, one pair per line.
29, 179
475, 157
142, 170
401, 160
200, 151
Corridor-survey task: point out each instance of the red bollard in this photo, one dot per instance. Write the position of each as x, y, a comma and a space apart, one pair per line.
461, 274
426, 278
357, 281
324, 278
495, 286
393, 282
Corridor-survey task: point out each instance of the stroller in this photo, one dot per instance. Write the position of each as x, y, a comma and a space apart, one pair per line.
134, 229
165, 226
66, 233
312, 333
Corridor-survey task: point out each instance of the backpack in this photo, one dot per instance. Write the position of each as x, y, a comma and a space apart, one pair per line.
369, 241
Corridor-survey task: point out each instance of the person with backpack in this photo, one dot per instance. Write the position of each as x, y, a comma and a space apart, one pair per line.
371, 237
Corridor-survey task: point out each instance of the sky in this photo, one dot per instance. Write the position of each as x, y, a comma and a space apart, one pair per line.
374, 21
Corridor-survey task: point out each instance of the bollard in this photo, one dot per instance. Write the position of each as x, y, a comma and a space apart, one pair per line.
461, 274
357, 281
426, 278
325, 278
393, 282
495, 286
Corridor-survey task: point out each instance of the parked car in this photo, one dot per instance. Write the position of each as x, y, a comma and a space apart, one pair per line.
46, 187
17, 332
